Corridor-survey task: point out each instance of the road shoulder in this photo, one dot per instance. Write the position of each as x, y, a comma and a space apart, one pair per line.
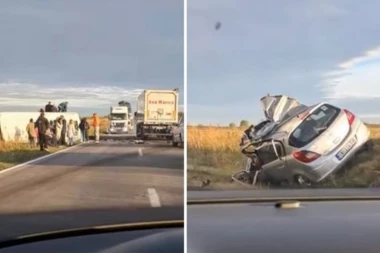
14, 155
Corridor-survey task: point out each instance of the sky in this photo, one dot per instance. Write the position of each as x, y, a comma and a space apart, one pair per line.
311, 50
91, 53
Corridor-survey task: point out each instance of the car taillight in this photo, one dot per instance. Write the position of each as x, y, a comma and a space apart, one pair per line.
306, 156
350, 116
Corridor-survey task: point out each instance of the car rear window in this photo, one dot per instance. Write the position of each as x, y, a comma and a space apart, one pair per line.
313, 125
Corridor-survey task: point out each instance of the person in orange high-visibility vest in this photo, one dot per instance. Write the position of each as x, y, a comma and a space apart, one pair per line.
96, 125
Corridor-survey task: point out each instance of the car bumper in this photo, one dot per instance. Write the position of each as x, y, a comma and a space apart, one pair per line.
116, 131
332, 163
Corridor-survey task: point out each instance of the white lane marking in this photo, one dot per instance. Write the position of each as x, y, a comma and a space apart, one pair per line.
154, 198
39, 158
140, 152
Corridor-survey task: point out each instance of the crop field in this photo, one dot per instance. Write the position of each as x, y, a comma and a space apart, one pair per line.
213, 154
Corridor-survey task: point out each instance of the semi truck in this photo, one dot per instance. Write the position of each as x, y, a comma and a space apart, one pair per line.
157, 111
119, 120
128, 105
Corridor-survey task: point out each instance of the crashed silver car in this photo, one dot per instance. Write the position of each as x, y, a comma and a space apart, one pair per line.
298, 143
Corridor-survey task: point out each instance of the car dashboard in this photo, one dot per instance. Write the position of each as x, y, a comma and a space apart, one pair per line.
326, 226
152, 240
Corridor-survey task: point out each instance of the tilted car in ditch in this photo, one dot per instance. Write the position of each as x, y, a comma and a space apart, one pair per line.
298, 143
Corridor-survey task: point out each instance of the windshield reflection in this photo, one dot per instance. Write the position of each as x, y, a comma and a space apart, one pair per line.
69, 67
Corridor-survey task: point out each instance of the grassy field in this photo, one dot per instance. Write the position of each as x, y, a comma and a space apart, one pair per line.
213, 153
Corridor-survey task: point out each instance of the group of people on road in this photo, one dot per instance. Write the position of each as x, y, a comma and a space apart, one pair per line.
62, 107
54, 133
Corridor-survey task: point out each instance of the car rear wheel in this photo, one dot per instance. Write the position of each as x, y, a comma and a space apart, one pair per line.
139, 131
368, 146
181, 141
174, 143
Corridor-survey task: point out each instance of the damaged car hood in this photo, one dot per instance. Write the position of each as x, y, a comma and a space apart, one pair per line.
277, 107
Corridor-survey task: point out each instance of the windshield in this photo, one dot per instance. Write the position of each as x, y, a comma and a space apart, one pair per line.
118, 116
67, 167
299, 109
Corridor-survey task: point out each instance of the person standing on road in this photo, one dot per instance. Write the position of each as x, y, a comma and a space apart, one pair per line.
58, 130
76, 125
42, 124
96, 125
64, 130
83, 126
71, 132
31, 130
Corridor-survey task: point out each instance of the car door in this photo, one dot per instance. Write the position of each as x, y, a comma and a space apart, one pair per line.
273, 158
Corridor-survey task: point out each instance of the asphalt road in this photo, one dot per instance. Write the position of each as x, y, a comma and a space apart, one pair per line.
118, 137
105, 136
92, 184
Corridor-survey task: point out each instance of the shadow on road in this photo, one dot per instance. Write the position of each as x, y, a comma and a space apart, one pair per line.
156, 144
18, 224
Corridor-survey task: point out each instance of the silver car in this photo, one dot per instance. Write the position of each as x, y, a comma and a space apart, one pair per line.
303, 144
178, 133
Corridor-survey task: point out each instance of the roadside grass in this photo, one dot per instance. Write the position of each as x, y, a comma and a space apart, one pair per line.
213, 154
13, 153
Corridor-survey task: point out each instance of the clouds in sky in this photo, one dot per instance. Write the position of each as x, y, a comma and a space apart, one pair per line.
90, 52
357, 78
311, 50
79, 97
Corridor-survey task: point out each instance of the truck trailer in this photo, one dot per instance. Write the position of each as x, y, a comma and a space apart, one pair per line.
157, 111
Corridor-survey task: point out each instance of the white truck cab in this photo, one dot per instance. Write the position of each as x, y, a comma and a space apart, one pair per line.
119, 120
